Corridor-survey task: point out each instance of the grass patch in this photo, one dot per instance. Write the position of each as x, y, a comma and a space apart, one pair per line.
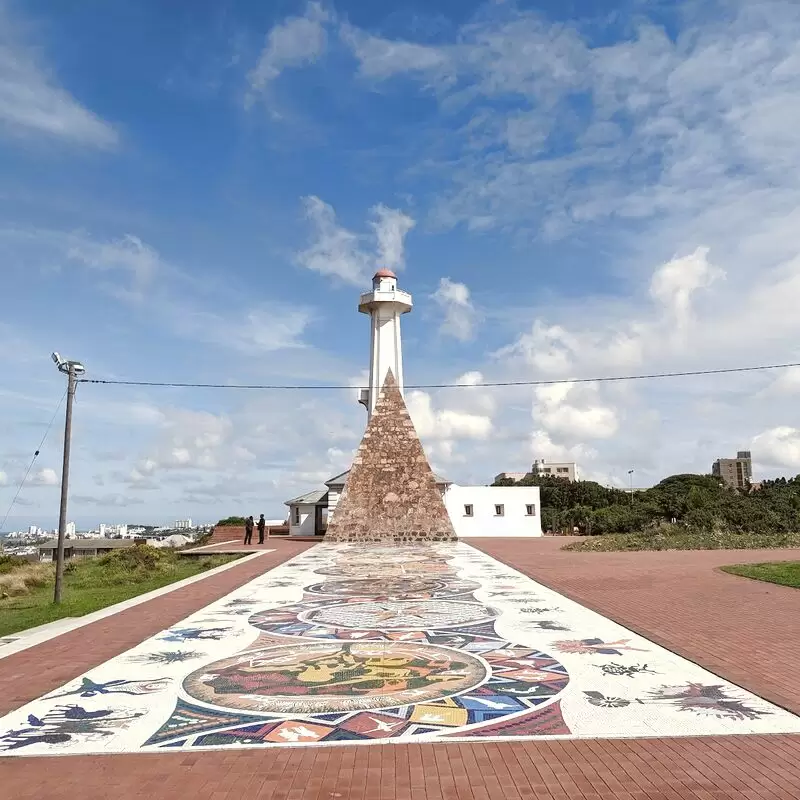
666, 538
91, 584
786, 573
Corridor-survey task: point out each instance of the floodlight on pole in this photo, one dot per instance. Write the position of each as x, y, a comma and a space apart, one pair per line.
72, 369
630, 475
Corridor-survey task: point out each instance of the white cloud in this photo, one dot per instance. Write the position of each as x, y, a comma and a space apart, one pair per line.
674, 283
643, 126
4, 480
338, 252
110, 500
295, 42
442, 429
176, 299
778, 447
128, 254
573, 412
786, 383
31, 101
335, 251
253, 331
44, 477
382, 58
391, 227
459, 314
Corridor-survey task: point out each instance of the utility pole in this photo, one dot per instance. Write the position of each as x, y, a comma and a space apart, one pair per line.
71, 369
630, 475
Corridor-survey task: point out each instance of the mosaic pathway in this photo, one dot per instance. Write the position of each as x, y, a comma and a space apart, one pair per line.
354, 644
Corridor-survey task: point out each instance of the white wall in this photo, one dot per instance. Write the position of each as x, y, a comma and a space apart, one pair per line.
333, 500
306, 526
484, 522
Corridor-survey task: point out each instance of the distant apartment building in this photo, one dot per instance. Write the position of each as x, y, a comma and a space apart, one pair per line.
509, 476
182, 524
70, 530
554, 469
735, 472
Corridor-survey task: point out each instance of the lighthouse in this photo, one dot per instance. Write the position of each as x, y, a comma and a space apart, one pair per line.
385, 304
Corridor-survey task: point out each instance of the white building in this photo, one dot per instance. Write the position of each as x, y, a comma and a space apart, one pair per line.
310, 513
474, 510
507, 511
102, 529
509, 476
70, 529
182, 524
554, 469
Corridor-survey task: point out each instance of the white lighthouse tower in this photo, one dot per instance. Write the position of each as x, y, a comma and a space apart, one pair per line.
384, 304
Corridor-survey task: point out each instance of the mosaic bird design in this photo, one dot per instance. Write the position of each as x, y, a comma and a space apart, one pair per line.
594, 646
90, 688
707, 699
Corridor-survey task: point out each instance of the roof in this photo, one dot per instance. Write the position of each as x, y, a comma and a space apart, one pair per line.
384, 272
339, 480
309, 498
88, 544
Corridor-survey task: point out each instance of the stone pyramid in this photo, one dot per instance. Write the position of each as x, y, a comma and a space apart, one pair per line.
390, 494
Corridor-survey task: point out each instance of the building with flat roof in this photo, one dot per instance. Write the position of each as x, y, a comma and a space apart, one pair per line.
735, 472
509, 476
82, 548
554, 469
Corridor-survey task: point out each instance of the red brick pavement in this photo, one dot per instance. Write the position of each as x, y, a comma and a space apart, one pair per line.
31, 673
676, 598
703, 768
746, 631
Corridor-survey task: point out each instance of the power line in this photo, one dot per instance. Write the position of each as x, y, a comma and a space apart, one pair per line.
298, 387
35, 456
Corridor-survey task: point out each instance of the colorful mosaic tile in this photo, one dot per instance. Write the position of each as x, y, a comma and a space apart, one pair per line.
361, 643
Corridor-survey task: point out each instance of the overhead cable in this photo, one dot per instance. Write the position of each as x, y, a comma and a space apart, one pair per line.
487, 384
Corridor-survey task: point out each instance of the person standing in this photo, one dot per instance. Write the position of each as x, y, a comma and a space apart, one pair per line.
262, 524
248, 530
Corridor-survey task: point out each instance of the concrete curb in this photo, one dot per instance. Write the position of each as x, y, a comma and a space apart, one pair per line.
17, 642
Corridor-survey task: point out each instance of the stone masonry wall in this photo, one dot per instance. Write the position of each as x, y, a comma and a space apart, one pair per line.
390, 494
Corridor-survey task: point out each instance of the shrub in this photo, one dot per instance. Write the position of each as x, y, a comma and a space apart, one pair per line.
140, 556
10, 563
232, 521
25, 578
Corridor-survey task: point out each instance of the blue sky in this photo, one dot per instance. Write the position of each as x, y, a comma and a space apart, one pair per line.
198, 192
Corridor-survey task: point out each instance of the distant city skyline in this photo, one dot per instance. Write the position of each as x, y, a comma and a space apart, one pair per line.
23, 523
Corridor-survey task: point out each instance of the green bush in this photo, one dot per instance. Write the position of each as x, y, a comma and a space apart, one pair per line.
694, 504
9, 563
140, 556
678, 537
232, 521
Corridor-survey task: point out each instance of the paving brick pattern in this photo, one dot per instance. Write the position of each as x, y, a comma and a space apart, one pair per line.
31, 673
674, 598
391, 493
746, 631
707, 768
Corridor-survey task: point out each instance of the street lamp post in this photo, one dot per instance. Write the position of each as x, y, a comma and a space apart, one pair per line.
72, 369
630, 475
